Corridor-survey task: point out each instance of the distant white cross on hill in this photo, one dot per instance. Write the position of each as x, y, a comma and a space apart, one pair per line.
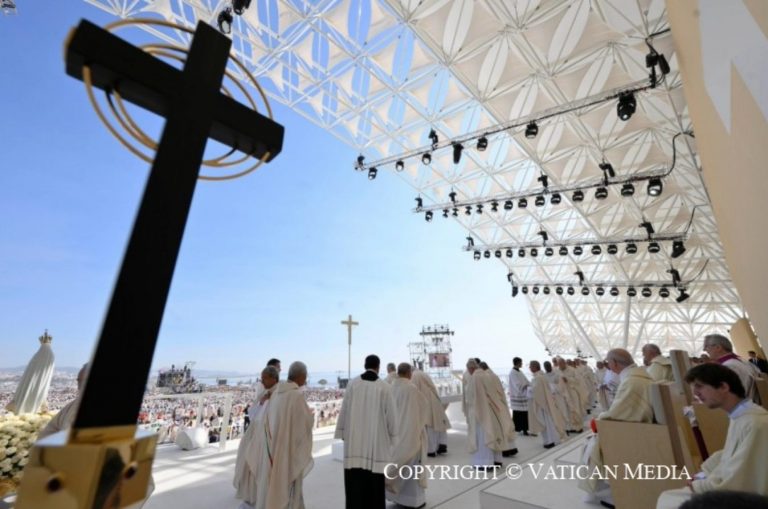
349, 323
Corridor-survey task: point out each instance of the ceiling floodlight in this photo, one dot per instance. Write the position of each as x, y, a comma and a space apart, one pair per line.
614, 292
452, 196
627, 190
563, 251
655, 187
654, 247
600, 291
497, 253
509, 253
455, 212
372, 173
419, 202
400, 165
596, 250
479, 208
631, 248
607, 169
544, 181
525, 290
531, 130
578, 250
360, 162
683, 295
612, 249
514, 290
534, 252
559, 290
664, 293
578, 196
648, 228
457, 149
508, 205
494, 206
678, 248
540, 201
549, 251
647, 292
545, 290
535, 290
240, 6
482, 144
631, 291
521, 252
555, 199
468, 210
434, 138
225, 21
486, 254
428, 216
580, 274
601, 193
522, 203
426, 158
477, 255
626, 106
585, 290
544, 236
445, 213
571, 291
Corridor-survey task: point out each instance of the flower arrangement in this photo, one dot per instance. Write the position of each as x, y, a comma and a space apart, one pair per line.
17, 434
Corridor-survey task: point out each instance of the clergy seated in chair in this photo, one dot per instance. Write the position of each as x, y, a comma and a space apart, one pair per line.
631, 404
437, 420
544, 417
742, 464
368, 425
410, 448
658, 366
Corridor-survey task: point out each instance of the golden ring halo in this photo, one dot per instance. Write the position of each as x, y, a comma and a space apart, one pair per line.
130, 126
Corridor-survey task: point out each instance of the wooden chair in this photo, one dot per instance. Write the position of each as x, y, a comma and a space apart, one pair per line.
713, 424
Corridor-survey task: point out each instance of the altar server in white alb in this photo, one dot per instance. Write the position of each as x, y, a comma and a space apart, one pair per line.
742, 464
544, 417
518, 396
368, 425
411, 444
437, 420
284, 438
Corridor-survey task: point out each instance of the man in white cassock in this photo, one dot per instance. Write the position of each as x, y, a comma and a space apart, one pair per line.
631, 404
568, 386
742, 464
391, 373
543, 415
553, 378
518, 396
283, 445
658, 366
248, 455
437, 421
411, 443
260, 395
590, 383
367, 423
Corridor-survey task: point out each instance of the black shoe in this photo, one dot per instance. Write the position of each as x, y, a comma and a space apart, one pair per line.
525, 433
497, 464
483, 468
579, 431
549, 446
442, 449
508, 453
607, 504
432, 454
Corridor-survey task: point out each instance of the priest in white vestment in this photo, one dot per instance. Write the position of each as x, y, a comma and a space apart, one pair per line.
283, 445
742, 464
543, 416
411, 445
391, 373
658, 366
720, 348
591, 384
631, 404
437, 421
248, 455
518, 396
367, 423
553, 378
569, 386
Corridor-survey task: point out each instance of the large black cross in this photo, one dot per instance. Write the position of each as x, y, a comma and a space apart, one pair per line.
195, 110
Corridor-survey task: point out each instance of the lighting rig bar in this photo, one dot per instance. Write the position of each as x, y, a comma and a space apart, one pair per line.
593, 100
661, 237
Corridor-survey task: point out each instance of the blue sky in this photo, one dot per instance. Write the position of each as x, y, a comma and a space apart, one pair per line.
270, 263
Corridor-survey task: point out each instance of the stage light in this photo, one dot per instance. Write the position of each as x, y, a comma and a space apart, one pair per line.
578, 196
494, 206
534, 252
578, 250
571, 291
457, 149
675, 276
648, 228
596, 250
655, 187
419, 202
678, 248
654, 247
647, 292
531, 130
372, 173
428, 216
468, 210
580, 275
477, 255
521, 252
600, 291
455, 212
525, 290
545, 290
522, 203
486, 254
225, 21
470, 242
514, 290
549, 251
497, 253
434, 138
400, 165
555, 199
544, 236
612, 249
508, 205
535, 290
585, 290
360, 161
631, 248
601, 193
627, 190
452, 196
563, 251
683, 295
479, 208
626, 106
664, 293
631, 291
482, 144
607, 169
240, 6
614, 292
426, 158
509, 253
445, 213
540, 201
559, 290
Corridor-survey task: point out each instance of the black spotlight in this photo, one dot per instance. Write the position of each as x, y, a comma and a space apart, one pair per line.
468, 210
545, 290
612, 249
614, 292
578, 250
515, 289
563, 251
534, 252
479, 208
540, 201
445, 213
678, 248
400, 165
521, 252
525, 290
426, 158
664, 293
600, 291
240, 6
360, 161
655, 187
549, 251
683, 295
482, 143
508, 205
631, 248
419, 202
535, 290
497, 253
457, 149
607, 169
654, 247
626, 106
544, 181
434, 138
225, 21
559, 290
477, 255
627, 190
631, 291
646, 292
531, 130
596, 250
578, 195
455, 212
494, 206
585, 290
372, 173
556, 199
428, 216
571, 291
487, 254
522, 203
452, 196
509, 253
601, 193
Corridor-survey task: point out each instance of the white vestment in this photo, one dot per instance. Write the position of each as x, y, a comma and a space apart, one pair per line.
518, 391
391, 377
249, 458
742, 464
747, 373
543, 415
437, 420
569, 386
660, 369
410, 447
367, 423
491, 430
554, 387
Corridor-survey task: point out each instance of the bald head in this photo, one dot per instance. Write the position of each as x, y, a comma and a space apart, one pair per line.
618, 359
